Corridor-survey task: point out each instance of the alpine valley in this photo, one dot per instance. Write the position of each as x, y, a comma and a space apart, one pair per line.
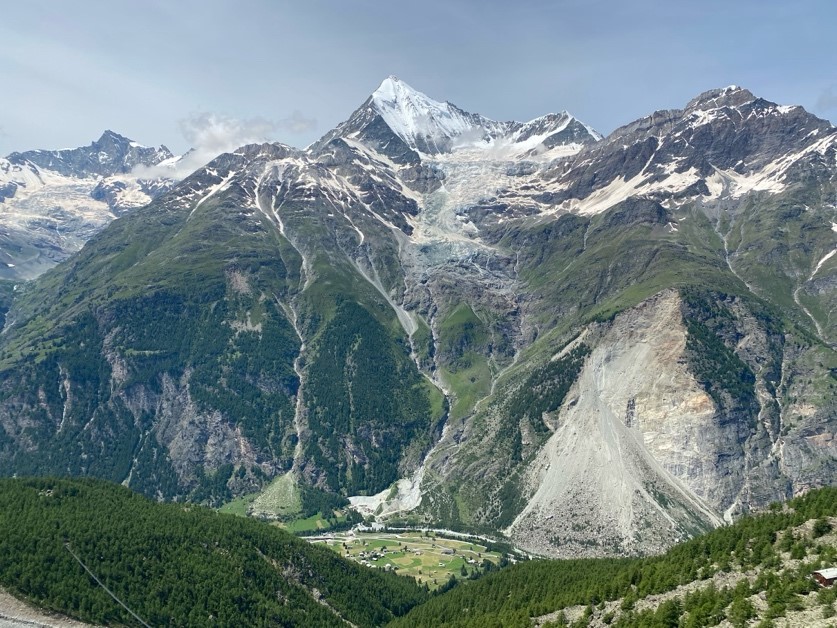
594, 346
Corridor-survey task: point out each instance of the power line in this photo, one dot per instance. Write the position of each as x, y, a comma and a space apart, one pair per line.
102, 584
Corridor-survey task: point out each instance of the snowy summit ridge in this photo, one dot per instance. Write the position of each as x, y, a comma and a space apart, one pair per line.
433, 127
418, 119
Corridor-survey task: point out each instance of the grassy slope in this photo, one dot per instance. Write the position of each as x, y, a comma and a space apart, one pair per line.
463, 338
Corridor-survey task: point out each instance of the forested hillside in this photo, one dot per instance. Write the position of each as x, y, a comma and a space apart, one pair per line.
176, 565
758, 568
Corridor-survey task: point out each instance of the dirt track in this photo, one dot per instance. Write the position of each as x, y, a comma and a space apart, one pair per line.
17, 614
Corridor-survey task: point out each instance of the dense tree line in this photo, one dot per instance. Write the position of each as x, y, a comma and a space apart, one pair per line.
177, 565
40, 389
315, 502
246, 374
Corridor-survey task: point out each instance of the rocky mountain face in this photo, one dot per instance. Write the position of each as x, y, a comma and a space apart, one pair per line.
52, 202
109, 155
595, 345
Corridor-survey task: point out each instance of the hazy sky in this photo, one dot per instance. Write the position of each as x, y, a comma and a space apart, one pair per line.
209, 72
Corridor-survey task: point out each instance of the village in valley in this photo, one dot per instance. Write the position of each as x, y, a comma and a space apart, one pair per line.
425, 555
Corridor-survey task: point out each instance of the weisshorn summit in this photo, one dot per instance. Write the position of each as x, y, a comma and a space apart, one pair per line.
595, 346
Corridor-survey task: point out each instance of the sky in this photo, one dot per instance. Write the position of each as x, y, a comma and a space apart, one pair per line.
218, 74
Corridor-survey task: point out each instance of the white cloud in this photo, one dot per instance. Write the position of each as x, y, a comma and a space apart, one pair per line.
211, 134
214, 133
827, 99
297, 123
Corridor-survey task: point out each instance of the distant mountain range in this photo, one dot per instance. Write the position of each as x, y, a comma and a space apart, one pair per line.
595, 346
52, 202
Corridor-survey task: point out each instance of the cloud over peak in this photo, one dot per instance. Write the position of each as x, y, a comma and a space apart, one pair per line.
211, 133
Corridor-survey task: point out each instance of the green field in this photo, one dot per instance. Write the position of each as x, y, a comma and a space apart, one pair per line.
412, 554
239, 506
312, 523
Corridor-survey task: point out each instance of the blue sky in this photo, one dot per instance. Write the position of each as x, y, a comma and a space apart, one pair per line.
209, 72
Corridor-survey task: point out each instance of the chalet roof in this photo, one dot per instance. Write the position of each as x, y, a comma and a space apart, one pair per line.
828, 574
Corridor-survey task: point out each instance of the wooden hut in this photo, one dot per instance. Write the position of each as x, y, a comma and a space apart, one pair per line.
826, 577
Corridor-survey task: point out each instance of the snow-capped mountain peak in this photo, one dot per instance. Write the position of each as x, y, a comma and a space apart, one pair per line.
423, 123
407, 126
53, 200
431, 127
110, 155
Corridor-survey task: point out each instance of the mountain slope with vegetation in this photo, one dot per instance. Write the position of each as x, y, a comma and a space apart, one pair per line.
170, 353
177, 565
593, 346
756, 569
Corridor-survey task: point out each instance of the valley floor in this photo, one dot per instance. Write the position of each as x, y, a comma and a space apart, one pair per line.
429, 558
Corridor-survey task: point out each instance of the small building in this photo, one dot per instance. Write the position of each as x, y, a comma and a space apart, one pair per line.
448, 550
826, 577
